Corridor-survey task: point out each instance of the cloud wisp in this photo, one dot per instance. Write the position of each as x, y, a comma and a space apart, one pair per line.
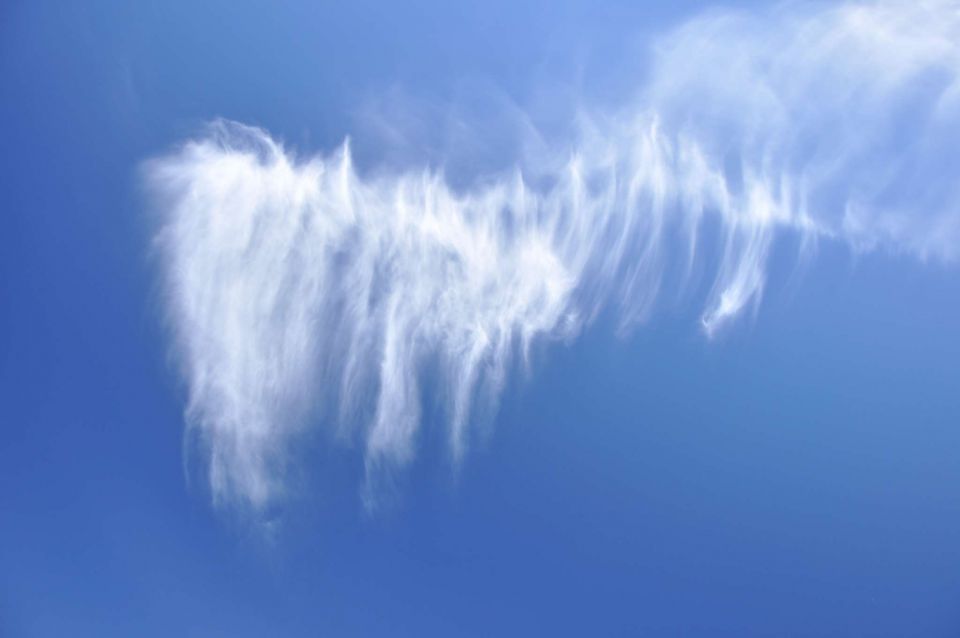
300, 287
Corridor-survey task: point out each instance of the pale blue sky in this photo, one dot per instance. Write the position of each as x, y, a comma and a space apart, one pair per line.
793, 474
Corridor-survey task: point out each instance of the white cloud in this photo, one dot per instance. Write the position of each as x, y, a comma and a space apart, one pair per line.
296, 286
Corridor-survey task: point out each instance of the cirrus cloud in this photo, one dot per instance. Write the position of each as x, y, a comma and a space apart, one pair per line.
297, 285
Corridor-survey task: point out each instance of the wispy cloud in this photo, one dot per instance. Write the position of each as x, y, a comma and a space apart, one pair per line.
302, 285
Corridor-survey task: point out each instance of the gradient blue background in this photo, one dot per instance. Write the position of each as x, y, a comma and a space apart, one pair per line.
798, 477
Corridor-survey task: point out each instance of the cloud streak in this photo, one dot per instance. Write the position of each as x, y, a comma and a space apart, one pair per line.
305, 291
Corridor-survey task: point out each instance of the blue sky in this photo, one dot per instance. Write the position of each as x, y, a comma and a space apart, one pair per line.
612, 320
